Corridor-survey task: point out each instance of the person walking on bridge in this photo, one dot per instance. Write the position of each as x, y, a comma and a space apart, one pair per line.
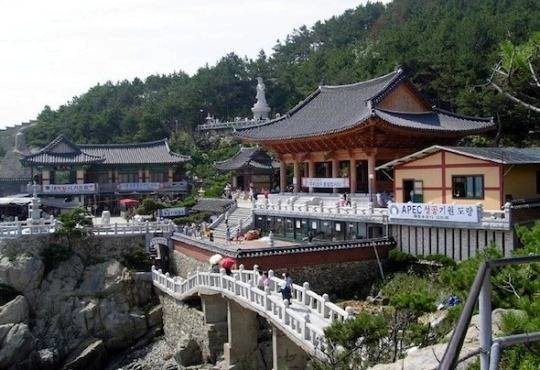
285, 287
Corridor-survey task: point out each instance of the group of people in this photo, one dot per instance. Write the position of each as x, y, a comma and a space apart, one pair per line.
217, 262
285, 286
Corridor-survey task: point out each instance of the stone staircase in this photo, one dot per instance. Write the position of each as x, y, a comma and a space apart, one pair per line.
238, 214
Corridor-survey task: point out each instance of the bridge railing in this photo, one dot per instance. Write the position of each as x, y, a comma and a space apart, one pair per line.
308, 327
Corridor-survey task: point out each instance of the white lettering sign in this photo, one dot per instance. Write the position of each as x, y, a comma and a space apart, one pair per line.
159, 240
89, 188
433, 212
172, 212
139, 186
324, 182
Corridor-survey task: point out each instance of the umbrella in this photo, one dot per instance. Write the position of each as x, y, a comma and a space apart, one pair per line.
129, 202
214, 260
228, 262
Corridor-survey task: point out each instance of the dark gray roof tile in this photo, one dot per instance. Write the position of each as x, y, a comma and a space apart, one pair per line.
247, 157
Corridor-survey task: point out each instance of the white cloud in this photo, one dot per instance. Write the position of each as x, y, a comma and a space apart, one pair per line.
53, 50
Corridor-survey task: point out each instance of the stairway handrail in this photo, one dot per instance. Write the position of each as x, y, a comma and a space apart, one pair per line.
480, 290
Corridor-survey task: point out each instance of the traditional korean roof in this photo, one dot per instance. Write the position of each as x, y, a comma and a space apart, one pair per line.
497, 155
333, 109
247, 157
213, 205
63, 151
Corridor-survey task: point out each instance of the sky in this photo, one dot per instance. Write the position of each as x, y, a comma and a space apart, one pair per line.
53, 50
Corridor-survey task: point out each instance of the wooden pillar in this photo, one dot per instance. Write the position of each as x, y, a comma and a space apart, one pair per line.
311, 172
80, 176
234, 181
45, 177
372, 178
352, 175
296, 176
335, 168
282, 176
147, 175
141, 174
170, 174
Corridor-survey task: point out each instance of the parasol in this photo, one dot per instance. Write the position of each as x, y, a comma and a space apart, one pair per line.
214, 260
129, 202
228, 262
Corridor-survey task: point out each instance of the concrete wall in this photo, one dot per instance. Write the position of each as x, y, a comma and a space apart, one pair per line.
459, 244
184, 263
181, 320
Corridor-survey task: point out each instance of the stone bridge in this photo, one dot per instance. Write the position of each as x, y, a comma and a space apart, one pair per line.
297, 326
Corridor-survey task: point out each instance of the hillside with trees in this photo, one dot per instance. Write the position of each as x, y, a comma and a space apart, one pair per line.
451, 48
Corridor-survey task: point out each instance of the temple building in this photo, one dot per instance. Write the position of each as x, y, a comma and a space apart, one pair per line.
250, 166
334, 139
98, 175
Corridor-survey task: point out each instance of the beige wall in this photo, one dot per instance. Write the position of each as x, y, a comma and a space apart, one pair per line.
429, 171
520, 181
402, 99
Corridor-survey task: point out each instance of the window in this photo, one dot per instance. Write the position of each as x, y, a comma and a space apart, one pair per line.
128, 176
468, 187
537, 182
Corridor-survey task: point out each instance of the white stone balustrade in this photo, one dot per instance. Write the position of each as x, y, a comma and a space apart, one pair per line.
304, 318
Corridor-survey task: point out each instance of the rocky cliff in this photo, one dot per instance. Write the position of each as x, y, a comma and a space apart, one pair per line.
72, 307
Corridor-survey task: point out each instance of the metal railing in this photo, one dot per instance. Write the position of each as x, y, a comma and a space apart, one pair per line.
481, 291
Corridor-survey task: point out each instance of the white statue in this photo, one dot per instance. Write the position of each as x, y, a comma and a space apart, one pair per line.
260, 109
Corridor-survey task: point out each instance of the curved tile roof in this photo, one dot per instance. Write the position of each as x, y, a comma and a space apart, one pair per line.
436, 120
247, 157
332, 109
63, 151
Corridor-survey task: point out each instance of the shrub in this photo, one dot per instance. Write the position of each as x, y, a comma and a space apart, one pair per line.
70, 220
196, 218
54, 254
138, 260
439, 258
400, 261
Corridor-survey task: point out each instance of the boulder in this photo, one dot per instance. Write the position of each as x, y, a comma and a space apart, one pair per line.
189, 353
23, 273
4, 330
90, 355
47, 359
155, 317
103, 278
16, 346
15, 311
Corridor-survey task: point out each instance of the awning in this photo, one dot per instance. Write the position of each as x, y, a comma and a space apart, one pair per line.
18, 201
128, 202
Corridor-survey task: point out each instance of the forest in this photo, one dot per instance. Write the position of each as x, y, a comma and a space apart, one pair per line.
450, 47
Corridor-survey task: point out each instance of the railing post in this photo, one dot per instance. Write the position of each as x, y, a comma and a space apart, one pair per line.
222, 278
236, 286
270, 276
324, 310
306, 333
286, 318
19, 228
484, 305
115, 228
350, 312
305, 290
255, 277
267, 302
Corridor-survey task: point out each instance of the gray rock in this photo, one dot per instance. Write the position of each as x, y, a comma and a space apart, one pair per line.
4, 330
155, 316
90, 355
24, 273
189, 353
47, 359
16, 346
103, 278
15, 311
